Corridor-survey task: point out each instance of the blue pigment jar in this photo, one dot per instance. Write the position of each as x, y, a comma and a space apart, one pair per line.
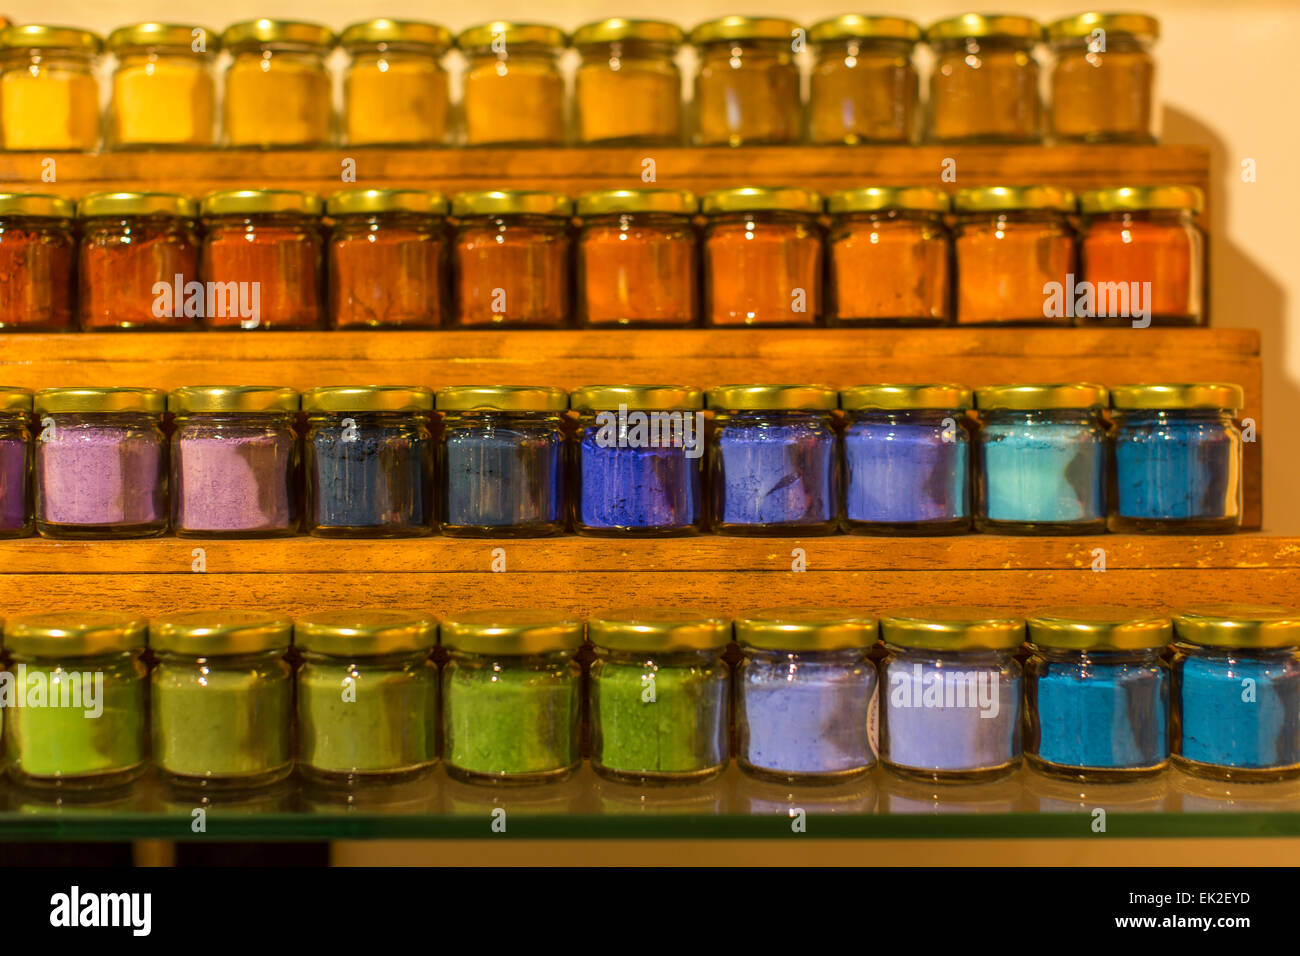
1236, 674
637, 462
1041, 462
1097, 693
1177, 458
772, 460
501, 461
369, 461
805, 695
906, 459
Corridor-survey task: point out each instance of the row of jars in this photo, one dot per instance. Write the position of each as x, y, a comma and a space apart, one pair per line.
390, 258
906, 459
818, 695
627, 88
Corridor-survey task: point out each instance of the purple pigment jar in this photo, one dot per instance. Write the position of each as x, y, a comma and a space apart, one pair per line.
906, 459
15, 463
234, 461
100, 463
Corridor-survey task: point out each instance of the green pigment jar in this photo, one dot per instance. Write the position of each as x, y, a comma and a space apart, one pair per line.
659, 695
222, 698
367, 696
75, 702
512, 696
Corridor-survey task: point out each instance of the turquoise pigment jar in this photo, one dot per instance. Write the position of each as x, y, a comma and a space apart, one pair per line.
1041, 459
1236, 670
805, 695
1097, 693
1177, 456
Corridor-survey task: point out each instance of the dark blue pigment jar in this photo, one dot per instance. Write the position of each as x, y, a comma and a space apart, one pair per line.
1097, 693
501, 461
1177, 458
369, 461
906, 459
638, 460
1236, 671
772, 460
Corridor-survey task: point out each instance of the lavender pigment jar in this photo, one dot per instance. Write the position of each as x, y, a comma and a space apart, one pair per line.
15, 463
234, 461
100, 463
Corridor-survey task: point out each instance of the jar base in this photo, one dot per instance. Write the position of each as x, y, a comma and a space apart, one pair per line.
226, 782
501, 531
827, 779
1094, 774
371, 531
1120, 524
674, 532
909, 529
887, 322
776, 531
657, 777
353, 779
236, 535
152, 529
982, 775
1157, 321
1236, 774
106, 779
509, 780
1077, 528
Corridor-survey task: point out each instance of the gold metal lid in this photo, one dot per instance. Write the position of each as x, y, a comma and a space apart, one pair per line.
853, 26
744, 28
605, 201
648, 398
174, 36
985, 25
511, 202
57, 400
363, 202
1206, 395
271, 399
15, 400
886, 397
806, 629
503, 398
384, 31
1012, 199
952, 628
252, 202
1101, 628
880, 198
365, 633
761, 199
33, 36
1140, 198
73, 634
137, 204
773, 397
511, 632
513, 34
37, 204
220, 633
1082, 26
661, 630
254, 33
1034, 397
368, 398
618, 29
1238, 625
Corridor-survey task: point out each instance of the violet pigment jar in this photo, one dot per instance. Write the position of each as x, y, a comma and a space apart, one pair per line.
100, 463
234, 461
15, 463
772, 460
907, 462
637, 461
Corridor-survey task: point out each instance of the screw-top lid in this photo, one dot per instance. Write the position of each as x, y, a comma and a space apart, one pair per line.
806, 629
761, 199
773, 398
220, 633
511, 632
197, 399
885, 198
985, 25
1204, 395
32, 36
658, 630
254, 33
73, 634
511, 202
15, 400
503, 398
383, 31
603, 202
1083, 25
368, 398
952, 628
855, 26
365, 633
1141, 198
137, 204
891, 397
1085, 628
363, 202
1013, 199
646, 398
1238, 625
256, 202
512, 34
744, 28
38, 205
57, 400
618, 29
1035, 397
173, 36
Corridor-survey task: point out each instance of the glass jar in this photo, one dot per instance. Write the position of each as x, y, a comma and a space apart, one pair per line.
395, 91
278, 89
76, 717
1143, 253
628, 90
1097, 693
131, 244
984, 88
1041, 466
513, 92
38, 249
262, 259
1103, 77
864, 85
510, 259
906, 459
773, 462
747, 82
387, 258
222, 698
659, 690
762, 257
234, 461
637, 460
1177, 458
15, 463
950, 693
1236, 670
367, 696
501, 461
511, 697
49, 97
101, 463
637, 261
369, 464
888, 257
806, 704
1015, 256
164, 93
